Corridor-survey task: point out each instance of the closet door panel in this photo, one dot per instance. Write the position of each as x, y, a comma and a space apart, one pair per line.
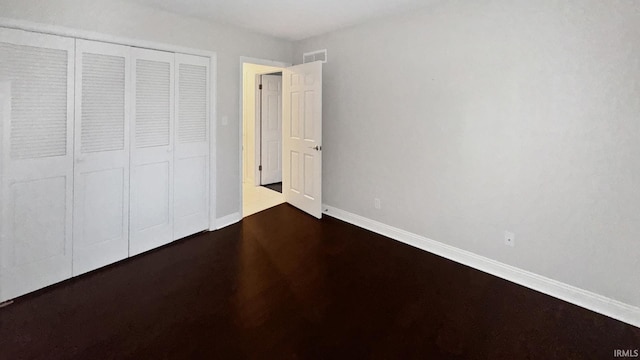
101, 202
151, 150
36, 91
191, 207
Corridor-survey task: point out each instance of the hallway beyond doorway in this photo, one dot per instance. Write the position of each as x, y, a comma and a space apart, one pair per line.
258, 198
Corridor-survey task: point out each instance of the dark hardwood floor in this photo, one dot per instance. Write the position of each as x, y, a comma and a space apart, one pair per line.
282, 285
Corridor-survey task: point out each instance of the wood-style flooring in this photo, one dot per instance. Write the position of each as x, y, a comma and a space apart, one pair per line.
283, 285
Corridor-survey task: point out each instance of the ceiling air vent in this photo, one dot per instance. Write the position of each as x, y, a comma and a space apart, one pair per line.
318, 55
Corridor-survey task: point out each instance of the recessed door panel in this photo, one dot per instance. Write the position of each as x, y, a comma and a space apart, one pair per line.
103, 206
308, 175
38, 220
309, 128
294, 115
294, 167
152, 193
193, 201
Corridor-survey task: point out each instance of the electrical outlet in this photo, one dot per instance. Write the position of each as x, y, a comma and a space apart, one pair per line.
377, 204
509, 239
225, 120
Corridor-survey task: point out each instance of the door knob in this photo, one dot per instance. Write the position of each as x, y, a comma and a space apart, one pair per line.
316, 148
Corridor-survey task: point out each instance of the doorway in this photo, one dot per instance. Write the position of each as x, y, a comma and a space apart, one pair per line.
260, 149
301, 137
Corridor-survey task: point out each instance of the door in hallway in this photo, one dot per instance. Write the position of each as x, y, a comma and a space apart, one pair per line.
271, 129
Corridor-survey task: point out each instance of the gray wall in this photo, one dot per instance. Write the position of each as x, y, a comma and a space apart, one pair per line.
470, 118
127, 19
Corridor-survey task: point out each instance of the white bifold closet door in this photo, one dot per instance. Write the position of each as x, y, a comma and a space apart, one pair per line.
191, 158
151, 150
101, 186
37, 161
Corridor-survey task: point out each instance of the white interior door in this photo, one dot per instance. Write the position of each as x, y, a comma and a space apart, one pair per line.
151, 150
302, 137
101, 181
271, 129
191, 158
37, 161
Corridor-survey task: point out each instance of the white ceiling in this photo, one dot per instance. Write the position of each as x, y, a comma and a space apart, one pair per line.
289, 19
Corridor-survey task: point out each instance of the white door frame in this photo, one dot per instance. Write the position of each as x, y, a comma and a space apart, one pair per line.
95, 36
256, 61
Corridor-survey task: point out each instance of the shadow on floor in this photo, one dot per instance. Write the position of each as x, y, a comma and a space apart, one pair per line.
275, 187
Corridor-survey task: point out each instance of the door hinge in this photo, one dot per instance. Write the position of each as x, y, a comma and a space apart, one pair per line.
260, 87
260, 168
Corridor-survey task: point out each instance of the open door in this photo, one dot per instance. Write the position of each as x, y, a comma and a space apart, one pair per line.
302, 137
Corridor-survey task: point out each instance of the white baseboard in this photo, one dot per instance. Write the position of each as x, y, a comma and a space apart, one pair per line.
228, 220
583, 298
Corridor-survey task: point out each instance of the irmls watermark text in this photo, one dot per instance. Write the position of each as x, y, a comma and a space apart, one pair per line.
619, 353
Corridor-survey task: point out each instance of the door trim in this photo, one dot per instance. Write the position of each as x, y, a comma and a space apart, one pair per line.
257, 125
